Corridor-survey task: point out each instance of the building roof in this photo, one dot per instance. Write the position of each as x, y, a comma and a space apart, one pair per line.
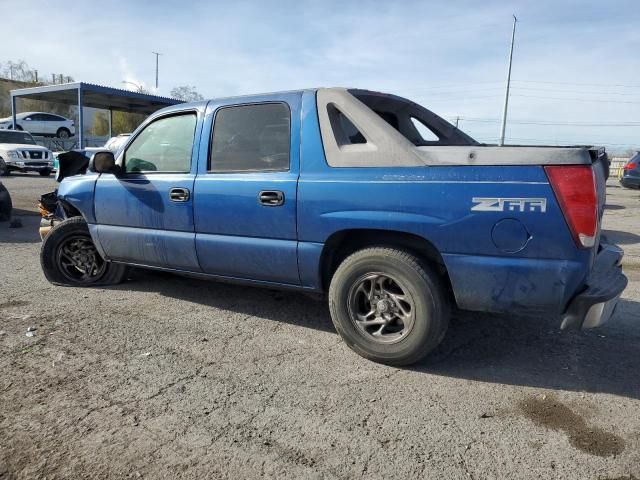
97, 96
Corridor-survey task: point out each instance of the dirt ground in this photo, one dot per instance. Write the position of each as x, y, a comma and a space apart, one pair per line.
171, 377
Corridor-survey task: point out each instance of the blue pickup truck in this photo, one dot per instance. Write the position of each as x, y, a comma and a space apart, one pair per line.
394, 213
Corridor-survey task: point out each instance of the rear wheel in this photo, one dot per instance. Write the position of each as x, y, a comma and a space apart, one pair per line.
63, 133
388, 306
69, 257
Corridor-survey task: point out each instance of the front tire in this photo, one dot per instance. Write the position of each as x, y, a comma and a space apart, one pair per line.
69, 257
44, 173
388, 306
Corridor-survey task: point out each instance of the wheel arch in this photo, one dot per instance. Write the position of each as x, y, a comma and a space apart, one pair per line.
343, 243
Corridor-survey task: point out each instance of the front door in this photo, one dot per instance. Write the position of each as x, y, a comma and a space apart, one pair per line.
245, 196
145, 214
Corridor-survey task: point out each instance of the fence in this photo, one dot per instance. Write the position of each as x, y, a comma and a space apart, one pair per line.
617, 163
64, 144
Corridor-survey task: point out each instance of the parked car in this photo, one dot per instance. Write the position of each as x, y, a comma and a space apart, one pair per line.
115, 143
19, 152
336, 191
631, 172
41, 123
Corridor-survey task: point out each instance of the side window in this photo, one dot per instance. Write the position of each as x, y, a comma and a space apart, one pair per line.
250, 138
163, 146
345, 132
424, 132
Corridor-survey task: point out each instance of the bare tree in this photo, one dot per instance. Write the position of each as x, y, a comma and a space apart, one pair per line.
186, 93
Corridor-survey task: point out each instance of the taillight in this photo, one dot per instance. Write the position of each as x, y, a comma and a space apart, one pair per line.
575, 189
630, 166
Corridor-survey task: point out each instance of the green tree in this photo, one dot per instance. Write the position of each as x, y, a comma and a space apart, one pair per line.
186, 93
100, 124
123, 122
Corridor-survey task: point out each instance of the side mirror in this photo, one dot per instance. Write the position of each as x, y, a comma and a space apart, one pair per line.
105, 162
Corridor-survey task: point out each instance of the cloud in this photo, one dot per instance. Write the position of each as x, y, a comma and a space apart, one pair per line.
451, 57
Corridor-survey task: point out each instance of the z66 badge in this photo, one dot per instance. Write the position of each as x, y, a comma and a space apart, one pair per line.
522, 205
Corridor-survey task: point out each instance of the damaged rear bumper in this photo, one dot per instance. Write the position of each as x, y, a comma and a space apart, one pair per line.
594, 305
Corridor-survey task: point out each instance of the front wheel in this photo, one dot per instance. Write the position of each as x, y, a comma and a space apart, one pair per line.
69, 257
45, 173
388, 306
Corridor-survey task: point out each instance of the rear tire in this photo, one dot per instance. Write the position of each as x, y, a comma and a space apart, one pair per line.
63, 133
68, 257
388, 306
5, 204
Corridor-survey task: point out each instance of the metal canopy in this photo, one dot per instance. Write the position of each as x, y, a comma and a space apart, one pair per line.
96, 96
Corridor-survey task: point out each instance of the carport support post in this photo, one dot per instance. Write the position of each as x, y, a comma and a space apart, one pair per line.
13, 111
80, 118
110, 122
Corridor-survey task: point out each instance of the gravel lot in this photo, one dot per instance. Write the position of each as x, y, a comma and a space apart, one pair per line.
166, 377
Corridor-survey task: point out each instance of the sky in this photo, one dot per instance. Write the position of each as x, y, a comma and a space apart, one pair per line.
576, 64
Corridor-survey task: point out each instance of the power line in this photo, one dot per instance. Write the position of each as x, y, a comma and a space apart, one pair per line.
582, 84
573, 99
544, 122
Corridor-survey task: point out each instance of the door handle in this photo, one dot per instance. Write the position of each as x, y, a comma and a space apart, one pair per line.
179, 194
271, 198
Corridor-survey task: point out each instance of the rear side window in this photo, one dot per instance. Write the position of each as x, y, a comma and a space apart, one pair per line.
344, 131
249, 138
164, 145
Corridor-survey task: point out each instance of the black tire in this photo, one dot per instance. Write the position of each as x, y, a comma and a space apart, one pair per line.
423, 287
45, 173
55, 263
63, 133
5, 204
18, 127
4, 169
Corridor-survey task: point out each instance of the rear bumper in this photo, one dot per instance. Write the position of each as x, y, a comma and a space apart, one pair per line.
630, 182
594, 305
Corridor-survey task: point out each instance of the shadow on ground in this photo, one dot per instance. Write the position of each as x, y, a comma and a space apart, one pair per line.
490, 348
26, 233
620, 237
614, 207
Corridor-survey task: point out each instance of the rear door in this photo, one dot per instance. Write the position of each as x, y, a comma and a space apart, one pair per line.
245, 194
145, 215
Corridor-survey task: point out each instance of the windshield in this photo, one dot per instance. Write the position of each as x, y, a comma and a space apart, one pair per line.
24, 138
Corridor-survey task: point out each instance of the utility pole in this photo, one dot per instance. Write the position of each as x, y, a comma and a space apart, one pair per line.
506, 93
157, 56
457, 121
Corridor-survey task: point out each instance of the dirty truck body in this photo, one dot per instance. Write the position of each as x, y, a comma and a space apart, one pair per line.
392, 211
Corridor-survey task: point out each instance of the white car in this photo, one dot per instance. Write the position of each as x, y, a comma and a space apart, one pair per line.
18, 151
115, 143
41, 123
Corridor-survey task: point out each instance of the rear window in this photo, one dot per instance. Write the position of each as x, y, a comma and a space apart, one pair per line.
417, 124
8, 136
